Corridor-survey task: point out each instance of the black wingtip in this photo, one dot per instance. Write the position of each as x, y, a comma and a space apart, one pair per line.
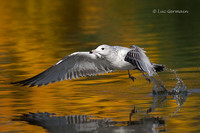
159, 67
16, 83
22, 83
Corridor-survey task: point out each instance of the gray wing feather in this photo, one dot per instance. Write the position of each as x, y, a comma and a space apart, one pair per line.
79, 64
137, 57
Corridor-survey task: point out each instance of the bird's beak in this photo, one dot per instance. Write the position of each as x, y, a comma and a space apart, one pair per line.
93, 51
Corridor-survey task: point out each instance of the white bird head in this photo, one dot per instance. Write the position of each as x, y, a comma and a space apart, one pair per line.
103, 49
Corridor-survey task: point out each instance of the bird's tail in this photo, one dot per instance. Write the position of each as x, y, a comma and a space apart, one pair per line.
159, 67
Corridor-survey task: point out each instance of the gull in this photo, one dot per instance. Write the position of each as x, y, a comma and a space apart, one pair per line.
103, 59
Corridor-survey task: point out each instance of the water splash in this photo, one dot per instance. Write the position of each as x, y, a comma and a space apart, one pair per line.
158, 85
179, 92
180, 86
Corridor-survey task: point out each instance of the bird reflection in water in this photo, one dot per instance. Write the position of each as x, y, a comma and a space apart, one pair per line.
84, 123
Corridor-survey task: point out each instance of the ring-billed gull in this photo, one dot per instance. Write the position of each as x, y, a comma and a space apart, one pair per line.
103, 59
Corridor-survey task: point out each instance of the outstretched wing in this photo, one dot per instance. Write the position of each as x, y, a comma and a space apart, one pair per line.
137, 57
79, 64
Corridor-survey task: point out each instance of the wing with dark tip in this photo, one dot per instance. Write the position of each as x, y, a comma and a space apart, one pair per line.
137, 57
79, 64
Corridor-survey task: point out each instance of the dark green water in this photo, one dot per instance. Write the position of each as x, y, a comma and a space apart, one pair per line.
35, 34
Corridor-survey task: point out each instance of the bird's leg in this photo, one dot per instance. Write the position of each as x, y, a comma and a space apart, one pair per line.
130, 115
131, 77
145, 75
149, 110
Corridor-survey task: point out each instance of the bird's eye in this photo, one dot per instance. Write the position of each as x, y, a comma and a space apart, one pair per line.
102, 48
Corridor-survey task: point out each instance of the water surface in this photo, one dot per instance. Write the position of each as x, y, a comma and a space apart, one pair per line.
35, 34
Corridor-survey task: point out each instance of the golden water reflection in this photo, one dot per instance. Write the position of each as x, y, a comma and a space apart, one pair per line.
35, 34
